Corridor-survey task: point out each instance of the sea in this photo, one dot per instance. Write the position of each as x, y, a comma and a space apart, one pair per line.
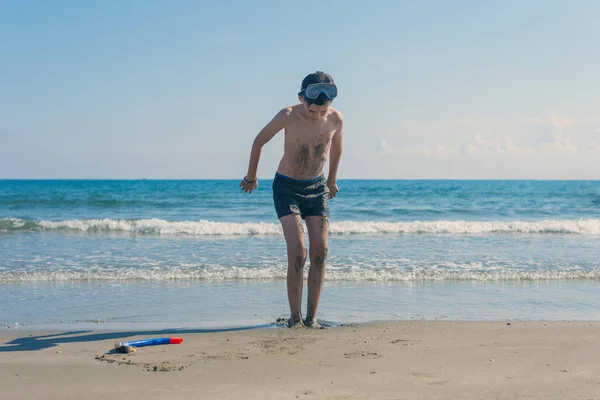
119, 254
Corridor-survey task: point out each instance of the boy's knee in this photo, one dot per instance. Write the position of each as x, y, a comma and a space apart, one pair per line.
300, 253
300, 259
318, 254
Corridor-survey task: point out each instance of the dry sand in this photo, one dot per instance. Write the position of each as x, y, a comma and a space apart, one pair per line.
395, 360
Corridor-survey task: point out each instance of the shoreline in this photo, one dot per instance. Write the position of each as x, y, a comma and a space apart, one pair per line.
208, 306
278, 324
386, 360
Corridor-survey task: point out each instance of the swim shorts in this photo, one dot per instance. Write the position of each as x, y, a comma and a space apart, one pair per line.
304, 197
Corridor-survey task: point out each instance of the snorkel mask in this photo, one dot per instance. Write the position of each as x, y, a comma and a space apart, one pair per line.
313, 91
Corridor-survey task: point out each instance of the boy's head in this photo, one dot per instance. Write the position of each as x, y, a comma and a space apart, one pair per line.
318, 90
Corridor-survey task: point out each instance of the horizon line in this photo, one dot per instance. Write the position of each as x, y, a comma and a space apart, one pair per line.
342, 179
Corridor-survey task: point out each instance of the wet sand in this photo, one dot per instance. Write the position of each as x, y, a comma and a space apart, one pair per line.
392, 360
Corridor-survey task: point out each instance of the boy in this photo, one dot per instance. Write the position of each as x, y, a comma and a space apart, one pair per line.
300, 191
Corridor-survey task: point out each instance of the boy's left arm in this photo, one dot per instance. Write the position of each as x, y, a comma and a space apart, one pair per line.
335, 154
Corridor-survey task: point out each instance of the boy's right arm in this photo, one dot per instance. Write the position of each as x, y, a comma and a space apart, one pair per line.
264, 136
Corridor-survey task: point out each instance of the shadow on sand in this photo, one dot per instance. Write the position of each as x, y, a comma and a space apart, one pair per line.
40, 342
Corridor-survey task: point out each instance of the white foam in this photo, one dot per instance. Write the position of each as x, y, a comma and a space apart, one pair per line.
581, 227
207, 228
450, 272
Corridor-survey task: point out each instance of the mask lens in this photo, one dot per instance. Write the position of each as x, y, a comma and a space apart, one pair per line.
313, 91
330, 91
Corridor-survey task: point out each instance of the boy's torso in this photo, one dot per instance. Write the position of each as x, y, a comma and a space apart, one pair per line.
307, 144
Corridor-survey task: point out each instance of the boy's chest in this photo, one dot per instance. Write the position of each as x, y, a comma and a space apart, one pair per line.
312, 134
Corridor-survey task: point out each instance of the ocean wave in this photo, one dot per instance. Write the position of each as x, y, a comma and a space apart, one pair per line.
211, 228
474, 272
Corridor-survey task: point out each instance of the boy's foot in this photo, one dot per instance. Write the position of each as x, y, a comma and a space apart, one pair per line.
313, 324
295, 325
295, 321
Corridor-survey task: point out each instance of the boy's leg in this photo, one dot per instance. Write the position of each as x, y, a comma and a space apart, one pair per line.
318, 232
293, 232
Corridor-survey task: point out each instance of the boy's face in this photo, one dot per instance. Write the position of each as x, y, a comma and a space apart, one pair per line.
315, 111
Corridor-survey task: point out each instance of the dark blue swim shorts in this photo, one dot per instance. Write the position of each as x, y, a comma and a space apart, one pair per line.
303, 197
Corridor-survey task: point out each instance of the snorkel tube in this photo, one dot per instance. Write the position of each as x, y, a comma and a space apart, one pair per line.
128, 347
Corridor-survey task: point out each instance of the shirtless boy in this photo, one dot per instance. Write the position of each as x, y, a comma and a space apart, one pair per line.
313, 130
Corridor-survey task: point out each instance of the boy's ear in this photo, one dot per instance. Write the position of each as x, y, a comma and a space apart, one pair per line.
301, 98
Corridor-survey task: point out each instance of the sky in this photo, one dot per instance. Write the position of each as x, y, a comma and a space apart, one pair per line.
429, 89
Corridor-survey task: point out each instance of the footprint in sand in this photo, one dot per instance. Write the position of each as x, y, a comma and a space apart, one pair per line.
405, 342
362, 354
156, 367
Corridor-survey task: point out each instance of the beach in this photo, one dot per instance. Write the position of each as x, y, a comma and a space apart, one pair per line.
388, 360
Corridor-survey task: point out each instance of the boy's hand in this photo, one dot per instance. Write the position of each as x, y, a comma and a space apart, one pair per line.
249, 186
333, 189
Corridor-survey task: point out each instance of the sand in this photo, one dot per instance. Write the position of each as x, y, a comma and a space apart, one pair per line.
393, 360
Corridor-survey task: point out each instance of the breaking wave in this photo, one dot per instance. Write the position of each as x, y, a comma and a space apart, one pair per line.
450, 272
210, 228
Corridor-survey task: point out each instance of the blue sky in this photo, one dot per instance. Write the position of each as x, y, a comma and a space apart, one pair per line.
179, 89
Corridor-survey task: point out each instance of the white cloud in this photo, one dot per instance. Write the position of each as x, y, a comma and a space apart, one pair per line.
511, 148
561, 145
480, 146
438, 150
477, 147
552, 136
504, 147
558, 122
554, 140
384, 147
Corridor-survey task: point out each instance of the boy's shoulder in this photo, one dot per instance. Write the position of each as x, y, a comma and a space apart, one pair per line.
289, 110
336, 115
286, 113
